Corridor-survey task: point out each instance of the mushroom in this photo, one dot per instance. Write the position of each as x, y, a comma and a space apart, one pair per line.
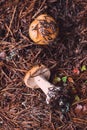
38, 77
43, 30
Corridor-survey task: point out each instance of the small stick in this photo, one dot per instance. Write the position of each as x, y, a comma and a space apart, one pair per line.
84, 100
81, 121
39, 10
9, 30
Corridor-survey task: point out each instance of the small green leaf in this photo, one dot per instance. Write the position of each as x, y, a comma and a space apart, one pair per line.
56, 80
73, 88
64, 79
77, 98
86, 81
83, 68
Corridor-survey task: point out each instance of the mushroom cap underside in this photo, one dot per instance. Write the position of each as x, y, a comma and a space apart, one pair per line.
38, 70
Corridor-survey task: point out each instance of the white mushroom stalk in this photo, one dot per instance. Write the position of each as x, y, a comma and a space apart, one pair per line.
44, 85
38, 77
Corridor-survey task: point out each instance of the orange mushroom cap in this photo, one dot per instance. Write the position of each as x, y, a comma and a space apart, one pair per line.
43, 29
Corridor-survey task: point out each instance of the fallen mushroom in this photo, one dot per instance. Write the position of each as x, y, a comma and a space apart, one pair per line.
37, 78
43, 29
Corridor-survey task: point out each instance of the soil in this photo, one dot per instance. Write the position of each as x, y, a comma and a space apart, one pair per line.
22, 108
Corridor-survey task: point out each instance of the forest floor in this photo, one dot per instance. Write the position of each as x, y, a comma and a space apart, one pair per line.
22, 108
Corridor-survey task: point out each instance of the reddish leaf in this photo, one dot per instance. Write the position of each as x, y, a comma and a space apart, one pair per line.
3, 55
76, 71
78, 109
70, 80
84, 110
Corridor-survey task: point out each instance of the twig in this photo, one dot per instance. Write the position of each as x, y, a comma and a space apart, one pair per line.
84, 100
80, 121
29, 9
40, 9
9, 28
6, 76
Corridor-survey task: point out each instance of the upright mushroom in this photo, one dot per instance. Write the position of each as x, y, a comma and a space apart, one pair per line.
43, 29
37, 77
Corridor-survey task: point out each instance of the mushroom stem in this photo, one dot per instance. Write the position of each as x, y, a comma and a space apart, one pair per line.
44, 85
38, 77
